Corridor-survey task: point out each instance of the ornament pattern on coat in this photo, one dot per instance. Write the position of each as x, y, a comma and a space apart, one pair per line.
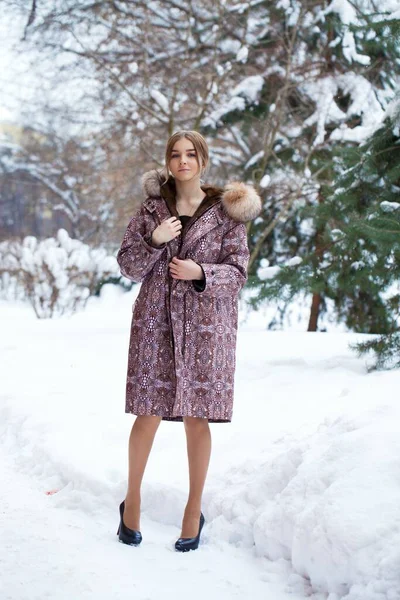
182, 349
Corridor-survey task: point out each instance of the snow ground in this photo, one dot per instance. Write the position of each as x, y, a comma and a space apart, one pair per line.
303, 489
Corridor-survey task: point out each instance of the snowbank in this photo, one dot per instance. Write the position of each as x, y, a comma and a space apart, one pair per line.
327, 502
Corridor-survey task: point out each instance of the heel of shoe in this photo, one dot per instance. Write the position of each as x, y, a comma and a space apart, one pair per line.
186, 544
131, 537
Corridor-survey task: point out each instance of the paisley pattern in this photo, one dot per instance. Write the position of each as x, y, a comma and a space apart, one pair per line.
183, 339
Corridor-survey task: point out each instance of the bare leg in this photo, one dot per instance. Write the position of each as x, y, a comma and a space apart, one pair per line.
140, 443
198, 438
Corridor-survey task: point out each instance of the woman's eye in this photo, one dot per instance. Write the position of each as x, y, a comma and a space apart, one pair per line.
177, 155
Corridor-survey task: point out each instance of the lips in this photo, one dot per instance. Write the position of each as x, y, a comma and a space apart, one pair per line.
183, 169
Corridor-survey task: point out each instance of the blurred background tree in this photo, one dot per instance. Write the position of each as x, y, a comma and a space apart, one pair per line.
287, 93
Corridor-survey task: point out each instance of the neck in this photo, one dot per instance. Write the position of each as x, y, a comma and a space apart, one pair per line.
189, 191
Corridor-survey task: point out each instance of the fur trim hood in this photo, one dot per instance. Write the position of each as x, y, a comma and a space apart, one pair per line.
240, 200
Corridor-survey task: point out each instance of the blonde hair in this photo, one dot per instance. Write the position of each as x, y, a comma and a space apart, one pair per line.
199, 143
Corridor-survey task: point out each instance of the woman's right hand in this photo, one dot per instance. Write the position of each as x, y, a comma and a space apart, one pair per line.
166, 231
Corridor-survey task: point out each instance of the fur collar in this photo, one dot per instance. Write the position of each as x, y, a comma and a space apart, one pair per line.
240, 200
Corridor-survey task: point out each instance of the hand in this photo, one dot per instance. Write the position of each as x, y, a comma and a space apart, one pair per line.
185, 269
166, 231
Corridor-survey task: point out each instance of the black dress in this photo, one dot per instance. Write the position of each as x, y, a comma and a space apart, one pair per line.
184, 219
198, 284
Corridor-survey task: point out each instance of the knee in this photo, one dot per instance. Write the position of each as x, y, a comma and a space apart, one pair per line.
195, 423
147, 422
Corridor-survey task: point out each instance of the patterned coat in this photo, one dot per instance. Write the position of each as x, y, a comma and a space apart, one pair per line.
182, 350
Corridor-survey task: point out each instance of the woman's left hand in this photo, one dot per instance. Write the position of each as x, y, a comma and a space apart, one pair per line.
185, 269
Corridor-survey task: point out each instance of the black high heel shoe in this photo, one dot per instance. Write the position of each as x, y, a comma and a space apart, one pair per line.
186, 544
126, 535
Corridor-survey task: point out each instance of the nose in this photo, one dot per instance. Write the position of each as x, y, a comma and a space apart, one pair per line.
183, 160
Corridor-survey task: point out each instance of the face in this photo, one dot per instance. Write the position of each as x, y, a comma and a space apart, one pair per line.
183, 163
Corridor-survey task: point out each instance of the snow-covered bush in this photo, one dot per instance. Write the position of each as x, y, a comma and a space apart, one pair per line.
57, 275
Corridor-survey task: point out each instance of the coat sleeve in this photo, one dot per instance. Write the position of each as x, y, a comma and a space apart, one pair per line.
137, 256
228, 276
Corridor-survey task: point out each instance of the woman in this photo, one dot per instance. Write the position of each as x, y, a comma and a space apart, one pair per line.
187, 244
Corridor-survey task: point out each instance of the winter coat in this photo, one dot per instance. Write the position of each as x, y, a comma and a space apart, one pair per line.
182, 350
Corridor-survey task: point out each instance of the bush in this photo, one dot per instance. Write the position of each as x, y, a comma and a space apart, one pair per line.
57, 275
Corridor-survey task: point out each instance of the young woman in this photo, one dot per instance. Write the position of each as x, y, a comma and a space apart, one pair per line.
187, 244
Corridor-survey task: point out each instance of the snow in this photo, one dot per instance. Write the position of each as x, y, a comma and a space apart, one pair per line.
264, 273
350, 51
369, 102
133, 67
254, 159
249, 88
292, 10
242, 55
302, 494
215, 118
265, 181
322, 91
347, 13
293, 262
245, 93
229, 46
307, 227
160, 99
364, 102
393, 111
389, 207
357, 265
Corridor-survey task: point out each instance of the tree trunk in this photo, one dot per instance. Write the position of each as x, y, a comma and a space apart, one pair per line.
319, 254
314, 313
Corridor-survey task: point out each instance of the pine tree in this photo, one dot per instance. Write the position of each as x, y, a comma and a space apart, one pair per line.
356, 262
325, 76
381, 227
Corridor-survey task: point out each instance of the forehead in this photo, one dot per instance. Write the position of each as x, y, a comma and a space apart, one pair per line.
182, 145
